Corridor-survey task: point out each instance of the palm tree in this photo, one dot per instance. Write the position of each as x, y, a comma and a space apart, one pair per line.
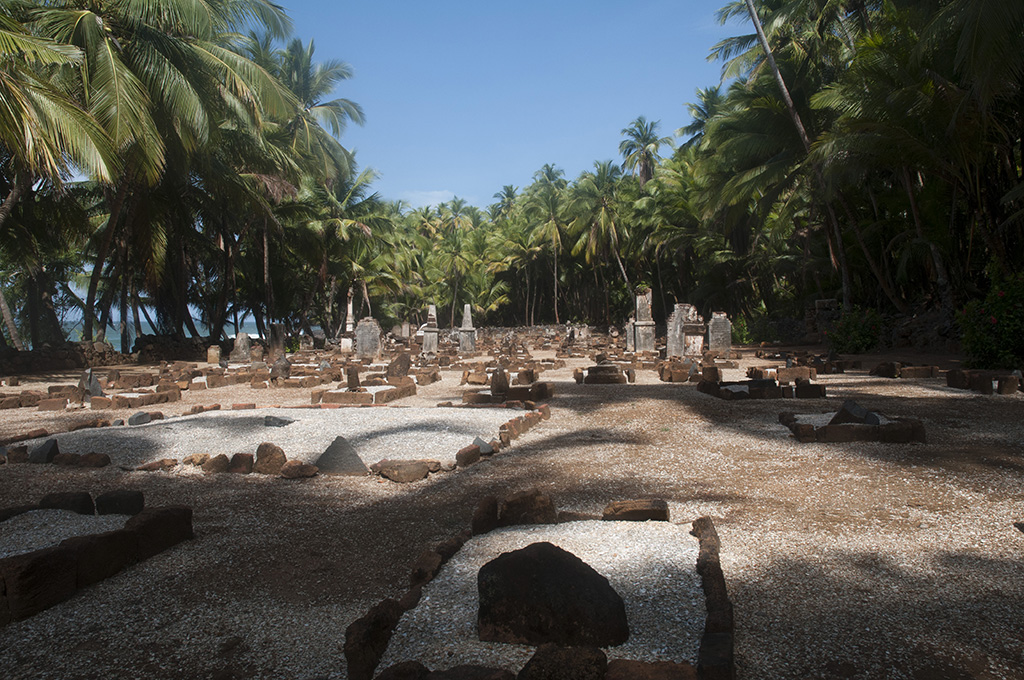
545, 208
640, 148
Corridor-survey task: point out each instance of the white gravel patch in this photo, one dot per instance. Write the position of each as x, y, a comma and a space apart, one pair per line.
823, 419
38, 529
652, 565
375, 433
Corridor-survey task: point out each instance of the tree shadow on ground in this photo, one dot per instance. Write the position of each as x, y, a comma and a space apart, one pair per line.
973, 602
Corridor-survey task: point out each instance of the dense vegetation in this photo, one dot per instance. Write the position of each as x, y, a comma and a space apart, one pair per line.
866, 150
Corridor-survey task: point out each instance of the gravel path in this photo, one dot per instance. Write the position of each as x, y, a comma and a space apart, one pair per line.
652, 565
859, 560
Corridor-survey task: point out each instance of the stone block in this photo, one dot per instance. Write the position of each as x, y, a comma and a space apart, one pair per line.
120, 502
637, 510
158, 529
58, 404
38, 580
241, 463
100, 556
467, 455
957, 379
295, 469
75, 501
340, 397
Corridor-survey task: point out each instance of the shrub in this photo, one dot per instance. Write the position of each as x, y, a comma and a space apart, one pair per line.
993, 328
857, 330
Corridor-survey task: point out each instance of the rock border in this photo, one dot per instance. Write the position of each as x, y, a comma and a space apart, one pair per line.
34, 581
367, 638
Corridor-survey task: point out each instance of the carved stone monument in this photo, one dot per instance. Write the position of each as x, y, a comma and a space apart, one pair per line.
368, 339
693, 332
643, 327
720, 334
674, 340
467, 334
349, 316
430, 333
242, 351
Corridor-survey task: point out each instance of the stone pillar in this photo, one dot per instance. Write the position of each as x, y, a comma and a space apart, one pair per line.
276, 349
242, 351
720, 334
429, 348
643, 327
630, 335
693, 332
368, 339
467, 334
675, 344
349, 315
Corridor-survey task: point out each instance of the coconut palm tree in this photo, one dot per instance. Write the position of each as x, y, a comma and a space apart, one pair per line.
640, 148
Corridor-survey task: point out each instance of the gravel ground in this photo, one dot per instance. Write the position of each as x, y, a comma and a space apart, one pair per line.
860, 560
652, 565
375, 433
44, 528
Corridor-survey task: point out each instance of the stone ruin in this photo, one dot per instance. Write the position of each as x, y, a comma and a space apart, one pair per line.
643, 325
368, 342
430, 333
467, 334
685, 336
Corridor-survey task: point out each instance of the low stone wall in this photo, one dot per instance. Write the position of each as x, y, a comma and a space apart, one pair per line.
38, 580
63, 357
367, 638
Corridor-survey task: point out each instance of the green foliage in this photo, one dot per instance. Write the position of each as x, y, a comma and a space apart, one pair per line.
993, 328
857, 330
291, 344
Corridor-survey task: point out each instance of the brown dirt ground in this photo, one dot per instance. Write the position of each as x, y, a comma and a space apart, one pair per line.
842, 560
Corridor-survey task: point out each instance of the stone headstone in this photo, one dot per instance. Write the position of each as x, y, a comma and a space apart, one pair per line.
352, 377
406, 330
368, 339
467, 317
44, 453
257, 353
543, 593
306, 342
341, 458
674, 339
242, 351
350, 318
277, 338
643, 307
720, 334
399, 367
630, 336
90, 384
282, 368
213, 354
643, 327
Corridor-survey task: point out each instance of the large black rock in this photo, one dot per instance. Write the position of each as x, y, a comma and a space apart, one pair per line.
544, 594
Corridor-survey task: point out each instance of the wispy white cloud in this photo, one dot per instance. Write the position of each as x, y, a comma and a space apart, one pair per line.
419, 199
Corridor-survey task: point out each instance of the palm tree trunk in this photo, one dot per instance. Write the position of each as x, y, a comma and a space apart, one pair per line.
806, 141
941, 277
116, 205
555, 269
12, 329
22, 183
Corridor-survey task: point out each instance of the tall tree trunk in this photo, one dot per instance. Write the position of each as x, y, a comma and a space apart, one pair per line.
806, 141
872, 265
22, 183
555, 269
941, 277
268, 290
116, 205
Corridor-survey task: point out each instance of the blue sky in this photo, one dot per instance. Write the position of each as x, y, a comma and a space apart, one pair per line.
462, 97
